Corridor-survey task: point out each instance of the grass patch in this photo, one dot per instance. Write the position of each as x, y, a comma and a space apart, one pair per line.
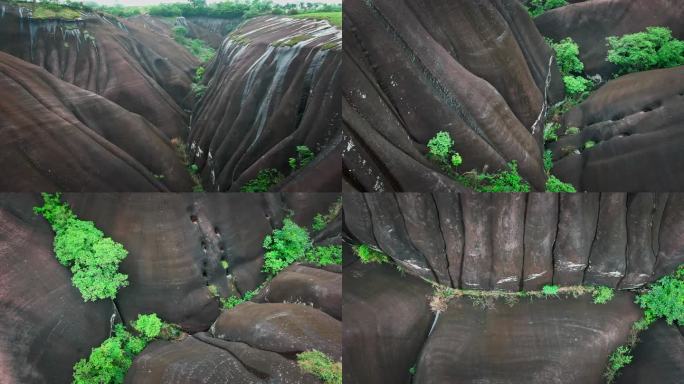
321, 366
292, 41
44, 11
334, 18
80, 246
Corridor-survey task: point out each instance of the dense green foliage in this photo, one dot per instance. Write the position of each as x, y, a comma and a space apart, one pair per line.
304, 156
641, 51
440, 145
232, 9
324, 255
198, 48
603, 294
264, 181
108, 363
79, 245
553, 184
48, 10
504, 181
617, 360
233, 301
589, 144
321, 366
665, 299
334, 18
320, 221
576, 85
550, 131
550, 290
370, 255
571, 67
537, 7
285, 246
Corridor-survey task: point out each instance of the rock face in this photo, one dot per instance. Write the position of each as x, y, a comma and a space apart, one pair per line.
144, 72
658, 357
302, 284
478, 70
201, 358
176, 243
589, 23
541, 341
386, 322
636, 123
272, 86
282, 328
516, 241
46, 326
61, 137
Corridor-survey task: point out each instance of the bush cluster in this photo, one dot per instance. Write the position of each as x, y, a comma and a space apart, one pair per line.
665, 299
571, 67
641, 51
370, 255
321, 366
231, 9
304, 156
80, 246
198, 48
537, 7
320, 221
270, 177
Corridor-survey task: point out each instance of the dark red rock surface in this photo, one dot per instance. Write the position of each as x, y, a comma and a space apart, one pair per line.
541, 341
45, 325
263, 99
636, 122
61, 137
437, 66
523, 241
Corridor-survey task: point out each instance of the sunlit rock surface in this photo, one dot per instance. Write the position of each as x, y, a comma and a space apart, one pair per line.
272, 86
46, 326
637, 123
57, 136
143, 71
478, 70
495, 241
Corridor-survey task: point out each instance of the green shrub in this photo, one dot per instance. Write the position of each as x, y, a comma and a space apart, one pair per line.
456, 160
617, 360
149, 326
304, 157
224, 264
264, 181
369, 255
589, 144
503, 181
440, 145
285, 246
325, 255
92, 258
537, 7
234, 301
665, 299
548, 161
576, 85
602, 295
642, 51
321, 366
550, 290
553, 184
572, 131
567, 57
109, 362
550, 133
321, 221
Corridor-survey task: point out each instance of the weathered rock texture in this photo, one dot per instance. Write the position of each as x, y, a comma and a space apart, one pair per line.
386, 322
45, 327
523, 241
637, 123
272, 86
589, 23
560, 341
143, 71
61, 137
478, 70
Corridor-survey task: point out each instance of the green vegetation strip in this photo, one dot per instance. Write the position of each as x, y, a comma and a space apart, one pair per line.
321, 366
653, 48
537, 7
270, 177
334, 18
80, 246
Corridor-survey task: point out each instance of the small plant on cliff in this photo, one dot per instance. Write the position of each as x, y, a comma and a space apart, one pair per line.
550, 290
617, 360
285, 246
304, 156
642, 51
603, 294
370, 255
80, 246
320, 221
321, 366
264, 181
571, 67
324, 255
665, 299
537, 7
149, 326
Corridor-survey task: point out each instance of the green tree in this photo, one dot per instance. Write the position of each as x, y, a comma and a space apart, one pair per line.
641, 51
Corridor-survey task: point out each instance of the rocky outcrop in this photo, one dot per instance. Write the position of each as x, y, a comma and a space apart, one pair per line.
176, 244
143, 71
61, 137
272, 87
46, 326
496, 241
540, 341
478, 70
636, 123
386, 322
589, 23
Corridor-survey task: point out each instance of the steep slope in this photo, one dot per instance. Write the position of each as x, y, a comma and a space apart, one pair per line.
144, 72
478, 70
518, 241
273, 86
60, 137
